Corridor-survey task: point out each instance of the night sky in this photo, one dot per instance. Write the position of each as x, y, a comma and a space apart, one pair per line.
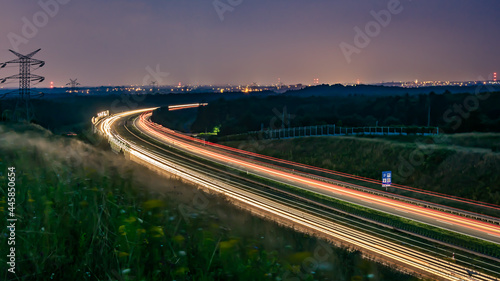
115, 42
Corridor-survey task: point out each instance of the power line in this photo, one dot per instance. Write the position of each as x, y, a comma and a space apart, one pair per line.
153, 84
73, 84
26, 65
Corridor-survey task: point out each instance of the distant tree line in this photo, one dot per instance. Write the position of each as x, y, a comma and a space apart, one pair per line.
73, 113
238, 113
452, 113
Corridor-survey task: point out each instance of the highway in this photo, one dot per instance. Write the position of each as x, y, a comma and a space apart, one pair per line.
490, 212
142, 149
471, 227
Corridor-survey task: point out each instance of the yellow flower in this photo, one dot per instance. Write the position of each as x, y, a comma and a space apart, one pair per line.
130, 220
123, 254
141, 231
153, 204
179, 238
121, 229
157, 231
29, 197
182, 270
226, 245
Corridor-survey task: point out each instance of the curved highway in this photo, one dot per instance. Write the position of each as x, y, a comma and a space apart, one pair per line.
418, 261
466, 226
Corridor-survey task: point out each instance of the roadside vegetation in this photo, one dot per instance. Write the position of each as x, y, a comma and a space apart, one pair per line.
84, 214
459, 165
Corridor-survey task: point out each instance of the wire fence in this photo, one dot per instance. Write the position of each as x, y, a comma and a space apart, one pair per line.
333, 130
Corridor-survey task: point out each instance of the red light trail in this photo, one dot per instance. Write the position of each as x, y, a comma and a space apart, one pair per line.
165, 136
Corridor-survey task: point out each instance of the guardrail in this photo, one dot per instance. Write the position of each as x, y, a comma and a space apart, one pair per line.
119, 145
116, 144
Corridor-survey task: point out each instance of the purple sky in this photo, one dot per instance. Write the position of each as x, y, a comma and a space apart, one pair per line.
104, 42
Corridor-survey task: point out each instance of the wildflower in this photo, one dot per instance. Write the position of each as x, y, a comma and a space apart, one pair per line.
130, 219
151, 204
123, 254
29, 197
157, 231
121, 229
179, 238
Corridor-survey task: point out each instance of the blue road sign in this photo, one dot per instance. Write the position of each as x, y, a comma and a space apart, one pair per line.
386, 178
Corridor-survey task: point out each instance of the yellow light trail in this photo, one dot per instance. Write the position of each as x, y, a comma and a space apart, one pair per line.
437, 267
402, 206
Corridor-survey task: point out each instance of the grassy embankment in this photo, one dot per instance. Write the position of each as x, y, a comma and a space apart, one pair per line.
470, 171
85, 215
462, 165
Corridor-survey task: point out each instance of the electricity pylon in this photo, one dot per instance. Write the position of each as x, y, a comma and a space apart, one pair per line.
26, 65
73, 84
